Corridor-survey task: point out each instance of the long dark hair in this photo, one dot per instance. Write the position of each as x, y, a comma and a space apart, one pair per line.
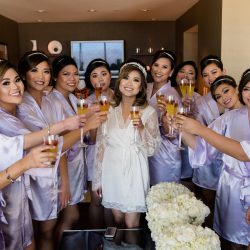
30, 60
126, 68
245, 79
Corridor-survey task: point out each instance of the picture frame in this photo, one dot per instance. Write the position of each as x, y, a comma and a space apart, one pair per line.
3, 51
110, 50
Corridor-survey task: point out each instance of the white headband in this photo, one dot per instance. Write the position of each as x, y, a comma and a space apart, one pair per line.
214, 59
168, 55
38, 53
248, 72
223, 79
99, 61
137, 65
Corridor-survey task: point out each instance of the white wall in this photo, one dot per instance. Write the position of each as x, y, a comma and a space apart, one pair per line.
235, 44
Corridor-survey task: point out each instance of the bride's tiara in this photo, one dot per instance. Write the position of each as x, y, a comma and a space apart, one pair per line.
137, 65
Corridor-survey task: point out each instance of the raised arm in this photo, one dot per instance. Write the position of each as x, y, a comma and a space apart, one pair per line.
221, 143
36, 158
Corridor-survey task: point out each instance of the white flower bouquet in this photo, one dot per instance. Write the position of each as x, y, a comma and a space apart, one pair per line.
174, 216
188, 237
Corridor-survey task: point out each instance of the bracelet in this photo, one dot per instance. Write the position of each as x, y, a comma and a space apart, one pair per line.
8, 177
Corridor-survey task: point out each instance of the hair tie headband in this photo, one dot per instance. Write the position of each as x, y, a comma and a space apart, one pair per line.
137, 65
38, 53
168, 55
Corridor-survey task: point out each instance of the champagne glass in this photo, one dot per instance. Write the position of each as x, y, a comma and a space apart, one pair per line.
82, 108
171, 108
52, 140
181, 111
190, 94
160, 98
183, 87
104, 106
134, 114
98, 90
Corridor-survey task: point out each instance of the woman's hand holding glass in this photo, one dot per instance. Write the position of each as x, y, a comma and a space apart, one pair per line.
104, 107
82, 109
41, 156
171, 108
135, 116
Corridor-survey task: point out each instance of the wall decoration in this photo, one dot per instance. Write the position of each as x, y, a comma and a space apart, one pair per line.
54, 47
111, 50
3, 51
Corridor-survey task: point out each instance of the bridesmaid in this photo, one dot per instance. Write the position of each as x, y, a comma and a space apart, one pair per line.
13, 165
165, 165
186, 70
232, 196
38, 111
14, 205
97, 74
66, 78
206, 178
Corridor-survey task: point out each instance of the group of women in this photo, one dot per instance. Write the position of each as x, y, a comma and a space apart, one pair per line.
128, 147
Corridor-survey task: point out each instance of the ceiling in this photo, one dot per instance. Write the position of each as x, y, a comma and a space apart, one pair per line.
30, 11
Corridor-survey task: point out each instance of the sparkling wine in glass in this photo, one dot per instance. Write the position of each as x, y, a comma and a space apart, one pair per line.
183, 87
82, 108
98, 90
104, 106
160, 98
134, 114
52, 140
171, 108
181, 111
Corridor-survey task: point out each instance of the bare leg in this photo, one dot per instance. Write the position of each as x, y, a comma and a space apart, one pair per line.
119, 218
108, 217
46, 234
67, 219
32, 246
132, 220
208, 197
96, 211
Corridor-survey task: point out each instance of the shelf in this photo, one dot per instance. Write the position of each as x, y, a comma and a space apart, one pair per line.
142, 54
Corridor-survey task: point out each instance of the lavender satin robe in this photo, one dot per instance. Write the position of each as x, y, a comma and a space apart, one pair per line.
44, 203
15, 219
75, 155
233, 189
165, 164
207, 176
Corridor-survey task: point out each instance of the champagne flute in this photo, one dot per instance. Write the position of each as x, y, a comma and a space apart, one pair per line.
181, 111
160, 98
52, 140
171, 108
98, 90
104, 106
183, 87
190, 93
82, 108
134, 114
